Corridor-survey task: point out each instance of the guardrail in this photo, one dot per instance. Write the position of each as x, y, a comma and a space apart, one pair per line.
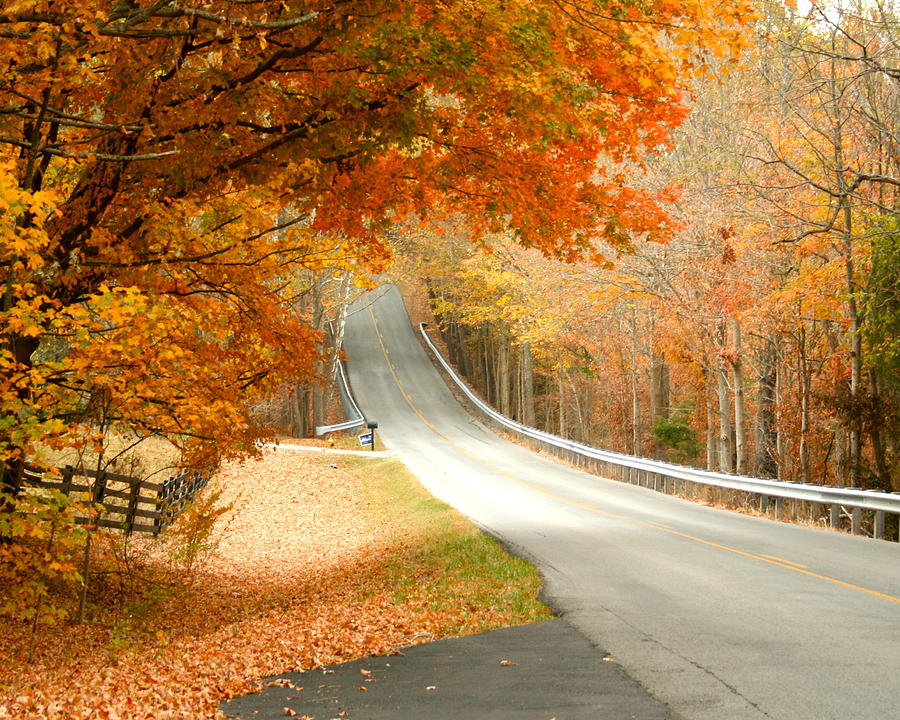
349, 403
667, 477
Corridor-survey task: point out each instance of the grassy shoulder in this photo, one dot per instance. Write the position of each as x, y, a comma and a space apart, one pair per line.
444, 560
323, 559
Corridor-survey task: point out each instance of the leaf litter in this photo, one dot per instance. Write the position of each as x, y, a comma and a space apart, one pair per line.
298, 581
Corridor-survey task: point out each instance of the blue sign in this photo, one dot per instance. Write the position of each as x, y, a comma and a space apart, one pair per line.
366, 439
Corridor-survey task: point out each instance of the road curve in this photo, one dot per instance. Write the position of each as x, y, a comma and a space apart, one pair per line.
721, 616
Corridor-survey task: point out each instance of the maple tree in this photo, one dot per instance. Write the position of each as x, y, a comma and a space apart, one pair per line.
168, 166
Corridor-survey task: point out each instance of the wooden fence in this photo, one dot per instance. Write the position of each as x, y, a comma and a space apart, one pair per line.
128, 503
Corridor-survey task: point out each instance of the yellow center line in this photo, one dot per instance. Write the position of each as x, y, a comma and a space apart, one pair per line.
789, 562
769, 559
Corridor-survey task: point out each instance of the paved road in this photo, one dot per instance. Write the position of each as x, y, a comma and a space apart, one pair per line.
719, 615
542, 671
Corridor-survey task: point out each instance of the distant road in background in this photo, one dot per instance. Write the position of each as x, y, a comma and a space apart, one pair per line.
720, 615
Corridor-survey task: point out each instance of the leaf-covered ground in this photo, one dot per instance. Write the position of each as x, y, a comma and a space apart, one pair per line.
315, 565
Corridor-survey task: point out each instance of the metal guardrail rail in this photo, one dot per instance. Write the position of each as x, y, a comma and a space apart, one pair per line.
349, 403
659, 475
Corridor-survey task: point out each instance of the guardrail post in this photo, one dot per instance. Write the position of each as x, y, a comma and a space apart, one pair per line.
834, 516
856, 521
879, 524
764, 504
779, 508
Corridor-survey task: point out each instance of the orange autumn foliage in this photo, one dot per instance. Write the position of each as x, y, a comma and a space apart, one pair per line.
168, 168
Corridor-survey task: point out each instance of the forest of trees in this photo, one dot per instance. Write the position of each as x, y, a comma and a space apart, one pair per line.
762, 338
667, 228
173, 166
189, 190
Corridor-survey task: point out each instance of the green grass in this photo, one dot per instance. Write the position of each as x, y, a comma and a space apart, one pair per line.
445, 559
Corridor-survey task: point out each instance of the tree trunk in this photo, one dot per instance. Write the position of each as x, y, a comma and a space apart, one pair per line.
764, 464
581, 428
841, 456
855, 361
780, 460
711, 438
737, 373
527, 385
21, 348
300, 412
337, 341
882, 469
504, 383
485, 364
636, 430
854, 419
319, 410
465, 362
726, 451
561, 389
805, 385
659, 398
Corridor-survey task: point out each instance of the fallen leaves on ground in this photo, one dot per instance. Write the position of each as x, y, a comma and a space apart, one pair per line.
298, 582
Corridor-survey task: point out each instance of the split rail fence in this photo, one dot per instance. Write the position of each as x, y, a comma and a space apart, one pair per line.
124, 502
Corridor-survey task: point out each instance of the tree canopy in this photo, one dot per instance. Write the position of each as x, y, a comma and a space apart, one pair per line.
766, 328
167, 167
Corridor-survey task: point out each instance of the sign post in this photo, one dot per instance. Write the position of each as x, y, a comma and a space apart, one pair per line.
371, 424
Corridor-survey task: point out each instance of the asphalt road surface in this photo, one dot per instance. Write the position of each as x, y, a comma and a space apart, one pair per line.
719, 615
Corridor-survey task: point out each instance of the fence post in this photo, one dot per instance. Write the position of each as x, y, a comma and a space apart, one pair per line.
67, 474
97, 497
132, 506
